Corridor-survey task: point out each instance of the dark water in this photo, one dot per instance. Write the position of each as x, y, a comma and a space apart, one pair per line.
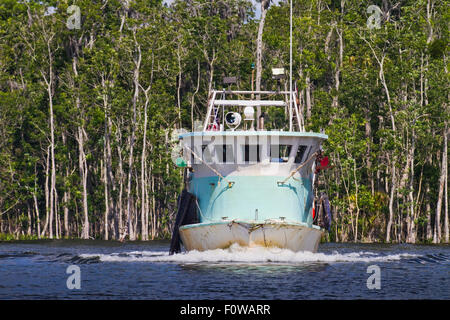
110, 270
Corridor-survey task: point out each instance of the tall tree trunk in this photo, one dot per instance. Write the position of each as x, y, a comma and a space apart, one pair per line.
259, 52
57, 218
29, 220
194, 94
308, 97
105, 181
130, 214
66, 210
179, 82
112, 205
368, 134
47, 192
446, 222
446, 134
66, 192
391, 201
356, 200
154, 212
52, 159
144, 209
410, 236
52, 192
144, 187
340, 63
36, 207
429, 229
122, 229
49, 81
82, 165
211, 63
437, 222
394, 157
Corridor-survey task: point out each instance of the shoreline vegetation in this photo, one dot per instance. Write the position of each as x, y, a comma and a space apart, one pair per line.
91, 95
5, 237
10, 238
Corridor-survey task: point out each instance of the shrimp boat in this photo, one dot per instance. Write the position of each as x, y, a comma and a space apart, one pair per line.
245, 184
248, 186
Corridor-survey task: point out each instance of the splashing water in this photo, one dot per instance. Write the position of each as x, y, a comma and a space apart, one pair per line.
238, 254
146, 271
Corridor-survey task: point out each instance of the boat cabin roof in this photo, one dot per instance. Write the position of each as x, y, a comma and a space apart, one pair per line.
254, 133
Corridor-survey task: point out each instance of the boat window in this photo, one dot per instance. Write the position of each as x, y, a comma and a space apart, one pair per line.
252, 153
300, 152
224, 153
280, 153
207, 153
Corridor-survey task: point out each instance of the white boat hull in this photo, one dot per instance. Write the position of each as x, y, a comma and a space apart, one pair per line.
221, 235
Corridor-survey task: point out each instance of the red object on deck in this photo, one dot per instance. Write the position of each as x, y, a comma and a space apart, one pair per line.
324, 162
213, 127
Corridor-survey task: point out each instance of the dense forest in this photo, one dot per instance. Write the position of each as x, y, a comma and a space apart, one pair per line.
91, 92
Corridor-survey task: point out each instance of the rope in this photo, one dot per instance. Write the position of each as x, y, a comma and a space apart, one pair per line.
298, 168
201, 213
230, 183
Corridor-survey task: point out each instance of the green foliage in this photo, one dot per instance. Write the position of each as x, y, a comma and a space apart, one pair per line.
6, 237
375, 93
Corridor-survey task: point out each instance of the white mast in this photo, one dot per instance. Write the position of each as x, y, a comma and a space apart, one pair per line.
290, 68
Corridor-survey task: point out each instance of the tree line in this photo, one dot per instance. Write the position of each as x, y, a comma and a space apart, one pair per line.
91, 91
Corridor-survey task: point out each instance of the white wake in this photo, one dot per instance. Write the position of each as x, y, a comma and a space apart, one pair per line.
238, 254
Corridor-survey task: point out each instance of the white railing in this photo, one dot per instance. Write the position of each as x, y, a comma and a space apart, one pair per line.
295, 116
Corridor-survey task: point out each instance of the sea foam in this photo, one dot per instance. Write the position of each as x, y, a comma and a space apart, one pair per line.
238, 254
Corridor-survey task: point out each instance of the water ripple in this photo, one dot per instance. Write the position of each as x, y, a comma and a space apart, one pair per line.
438, 258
